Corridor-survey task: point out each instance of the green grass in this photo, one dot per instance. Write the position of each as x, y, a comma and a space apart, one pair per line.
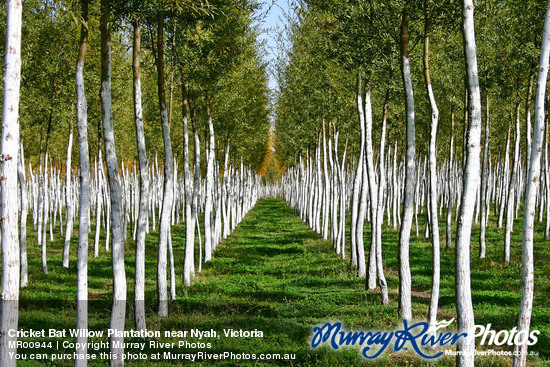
276, 275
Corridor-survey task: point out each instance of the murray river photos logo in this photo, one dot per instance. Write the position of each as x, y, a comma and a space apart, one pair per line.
417, 336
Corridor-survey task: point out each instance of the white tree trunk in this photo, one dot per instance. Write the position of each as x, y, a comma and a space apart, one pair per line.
23, 217
196, 189
405, 308
8, 197
373, 191
485, 203
363, 101
547, 191
118, 312
99, 200
189, 224
358, 177
326, 188
68, 200
343, 199
395, 188
448, 227
139, 296
334, 192
167, 198
432, 210
208, 238
84, 172
470, 184
45, 213
224, 194
528, 281
361, 262
504, 182
511, 193
380, 210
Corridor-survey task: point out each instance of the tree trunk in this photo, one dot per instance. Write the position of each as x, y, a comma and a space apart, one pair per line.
326, 188
511, 192
395, 187
189, 224
343, 199
319, 192
380, 207
45, 213
208, 238
23, 217
334, 193
8, 197
465, 311
359, 241
139, 296
547, 181
485, 203
68, 200
449, 237
373, 191
99, 200
528, 116
505, 182
528, 281
225, 198
119, 275
84, 206
405, 308
196, 187
434, 222
164, 225
358, 176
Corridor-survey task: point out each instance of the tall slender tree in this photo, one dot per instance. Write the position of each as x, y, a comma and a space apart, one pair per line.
208, 237
9, 148
84, 207
484, 200
465, 311
23, 217
533, 179
434, 221
118, 313
68, 199
405, 307
164, 230
139, 296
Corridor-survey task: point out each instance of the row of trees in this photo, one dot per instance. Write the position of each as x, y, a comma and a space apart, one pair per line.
341, 71
204, 64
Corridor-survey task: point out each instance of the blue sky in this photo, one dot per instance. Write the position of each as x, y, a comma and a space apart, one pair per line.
271, 21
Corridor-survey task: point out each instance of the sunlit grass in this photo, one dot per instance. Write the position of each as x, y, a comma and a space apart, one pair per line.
276, 275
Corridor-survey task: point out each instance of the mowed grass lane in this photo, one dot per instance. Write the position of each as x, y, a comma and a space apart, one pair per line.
275, 275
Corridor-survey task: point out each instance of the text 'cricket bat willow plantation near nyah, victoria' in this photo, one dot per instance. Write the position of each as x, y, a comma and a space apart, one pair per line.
156, 189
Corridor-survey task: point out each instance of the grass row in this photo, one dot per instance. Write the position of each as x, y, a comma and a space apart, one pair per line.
276, 275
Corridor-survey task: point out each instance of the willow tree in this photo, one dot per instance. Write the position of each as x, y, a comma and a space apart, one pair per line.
434, 222
533, 179
8, 196
118, 312
405, 307
167, 202
466, 346
84, 165
432, 17
139, 297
